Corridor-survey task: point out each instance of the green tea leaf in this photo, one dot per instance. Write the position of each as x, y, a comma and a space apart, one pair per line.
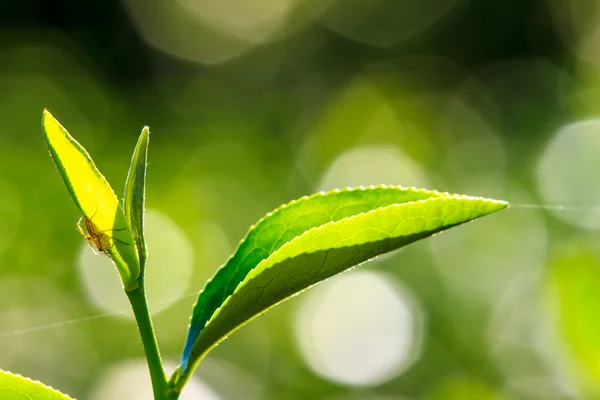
309, 240
94, 197
14, 386
135, 192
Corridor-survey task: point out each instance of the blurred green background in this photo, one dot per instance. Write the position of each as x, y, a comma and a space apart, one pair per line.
252, 103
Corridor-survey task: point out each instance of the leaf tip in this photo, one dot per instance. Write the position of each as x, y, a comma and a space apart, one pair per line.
144, 136
47, 117
502, 203
497, 205
50, 124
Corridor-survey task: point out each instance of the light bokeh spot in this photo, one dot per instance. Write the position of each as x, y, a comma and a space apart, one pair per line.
230, 380
360, 115
251, 19
474, 155
168, 269
567, 173
479, 261
512, 340
577, 22
209, 31
31, 341
360, 328
379, 22
373, 165
131, 380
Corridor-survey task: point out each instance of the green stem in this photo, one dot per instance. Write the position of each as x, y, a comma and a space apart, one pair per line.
173, 395
174, 392
137, 298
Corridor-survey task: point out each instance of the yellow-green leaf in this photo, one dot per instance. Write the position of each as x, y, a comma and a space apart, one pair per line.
15, 387
309, 240
94, 197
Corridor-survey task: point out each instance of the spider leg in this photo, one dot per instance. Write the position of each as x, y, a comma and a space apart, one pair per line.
113, 229
80, 228
119, 241
94, 212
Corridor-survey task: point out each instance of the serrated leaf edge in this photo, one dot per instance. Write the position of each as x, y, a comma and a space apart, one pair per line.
448, 196
322, 194
441, 195
435, 193
432, 192
37, 382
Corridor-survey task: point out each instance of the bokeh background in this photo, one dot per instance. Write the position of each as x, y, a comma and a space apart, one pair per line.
252, 103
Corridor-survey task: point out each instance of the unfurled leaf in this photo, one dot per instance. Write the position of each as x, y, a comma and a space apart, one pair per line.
135, 193
14, 386
309, 240
95, 199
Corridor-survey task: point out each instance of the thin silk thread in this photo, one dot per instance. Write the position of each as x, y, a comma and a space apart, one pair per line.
552, 207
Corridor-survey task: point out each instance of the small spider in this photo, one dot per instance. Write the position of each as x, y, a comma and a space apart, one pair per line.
97, 237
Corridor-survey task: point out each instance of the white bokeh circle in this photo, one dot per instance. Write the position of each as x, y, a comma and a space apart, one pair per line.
373, 165
383, 23
360, 328
131, 380
168, 269
567, 171
209, 31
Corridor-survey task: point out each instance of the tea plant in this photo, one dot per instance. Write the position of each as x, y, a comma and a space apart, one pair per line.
290, 249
